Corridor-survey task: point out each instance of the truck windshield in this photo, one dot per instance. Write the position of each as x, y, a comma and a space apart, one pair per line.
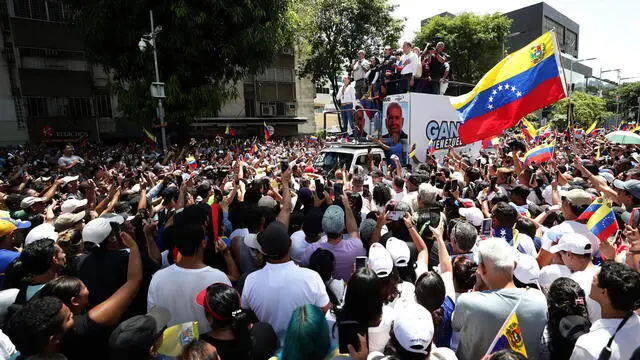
333, 160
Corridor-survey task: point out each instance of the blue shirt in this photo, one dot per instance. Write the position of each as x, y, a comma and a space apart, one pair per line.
6, 257
396, 149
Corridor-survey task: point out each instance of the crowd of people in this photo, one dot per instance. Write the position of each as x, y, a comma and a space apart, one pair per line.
397, 72
257, 254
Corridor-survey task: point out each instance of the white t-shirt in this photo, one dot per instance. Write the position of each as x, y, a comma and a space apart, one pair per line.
554, 234
175, 288
7, 349
276, 290
584, 279
67, 160
239, 233
411, 67
299, 244
624, 344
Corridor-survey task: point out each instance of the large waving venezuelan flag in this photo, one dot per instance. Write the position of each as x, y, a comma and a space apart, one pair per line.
524, 81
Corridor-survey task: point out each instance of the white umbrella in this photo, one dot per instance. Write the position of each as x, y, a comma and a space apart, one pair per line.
623, 137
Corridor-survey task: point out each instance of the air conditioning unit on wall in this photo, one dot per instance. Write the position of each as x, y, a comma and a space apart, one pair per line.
268, 110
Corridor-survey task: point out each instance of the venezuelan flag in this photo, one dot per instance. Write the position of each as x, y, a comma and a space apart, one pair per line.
539, 154
592, 127
174, 338
412, 152
521, 83
191, 161
603, 223
591, 209
430, 148
313, 139
490, 143
509, 337
150, 139
528, 130
267, 133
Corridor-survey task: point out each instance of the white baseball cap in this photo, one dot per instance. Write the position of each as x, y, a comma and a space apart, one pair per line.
113, 217
380, 260
550, 273
527, 269
68, 179
399, 251
96, 230
472, 215
574, 243
30, 201
42, 231
69, 206
413, 328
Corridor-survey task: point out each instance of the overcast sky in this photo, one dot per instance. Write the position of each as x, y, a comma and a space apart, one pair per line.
609, 30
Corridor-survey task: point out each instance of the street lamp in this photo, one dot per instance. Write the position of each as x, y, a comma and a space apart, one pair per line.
570, 90
508, 37
157, 87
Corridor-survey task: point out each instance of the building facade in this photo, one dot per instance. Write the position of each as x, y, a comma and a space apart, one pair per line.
50, 92
532, 21
54, 94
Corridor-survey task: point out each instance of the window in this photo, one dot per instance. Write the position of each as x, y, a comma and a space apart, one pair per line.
48, 10
571, 40
43, 107
103, 106
550, 24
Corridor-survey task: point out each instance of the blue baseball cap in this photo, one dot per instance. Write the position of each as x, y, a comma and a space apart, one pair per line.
632, 186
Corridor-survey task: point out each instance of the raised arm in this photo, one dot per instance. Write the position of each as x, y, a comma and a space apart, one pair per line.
285, 210
413, 232
443, 253
352, 226
111, 310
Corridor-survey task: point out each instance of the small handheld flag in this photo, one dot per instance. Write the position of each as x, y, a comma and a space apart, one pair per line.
191, 161
539, 154
490, 143
313, 139
603, 223
150, 139
267, 132
591, 209
510, 336
412, 153
592, 127
528, 129
430, 148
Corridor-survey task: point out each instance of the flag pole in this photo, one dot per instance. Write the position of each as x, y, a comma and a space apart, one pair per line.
504, 325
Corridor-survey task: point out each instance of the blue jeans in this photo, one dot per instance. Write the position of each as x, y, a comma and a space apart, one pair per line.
347, 117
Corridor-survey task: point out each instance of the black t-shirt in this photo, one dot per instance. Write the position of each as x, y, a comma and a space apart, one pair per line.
86, 340
436, 68
105, 271
228, 349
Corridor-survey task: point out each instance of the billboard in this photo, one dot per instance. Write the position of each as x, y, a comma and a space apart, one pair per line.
424, 118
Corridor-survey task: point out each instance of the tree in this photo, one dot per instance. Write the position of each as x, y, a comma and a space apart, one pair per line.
474, 42
332, 31
586, 109
629, 94
203, 48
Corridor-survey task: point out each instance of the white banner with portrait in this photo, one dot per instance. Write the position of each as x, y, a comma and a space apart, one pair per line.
418, 118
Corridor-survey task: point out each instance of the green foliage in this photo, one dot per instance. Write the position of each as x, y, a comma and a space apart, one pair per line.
586, 109
629, 94
474, 42
204, 47
332, 31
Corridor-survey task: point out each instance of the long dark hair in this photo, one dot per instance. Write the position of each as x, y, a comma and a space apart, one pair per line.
565, 298
363, 300
323, 262
430, 293
64, 288
222, 308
